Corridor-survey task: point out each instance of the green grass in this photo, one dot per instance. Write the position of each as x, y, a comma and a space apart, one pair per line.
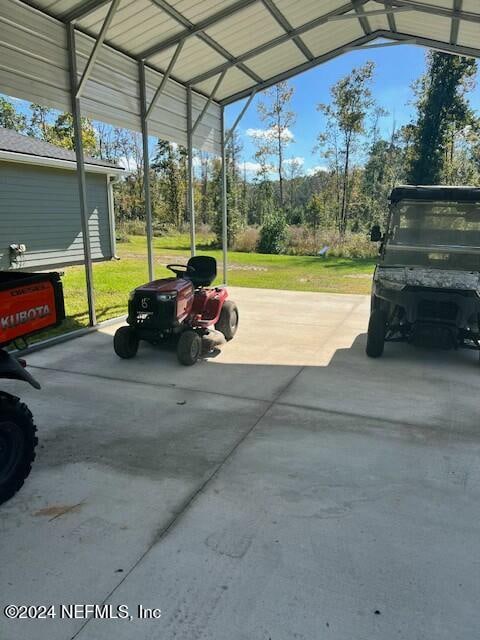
115, 279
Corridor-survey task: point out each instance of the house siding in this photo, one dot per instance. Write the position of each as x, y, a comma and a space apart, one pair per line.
40, 207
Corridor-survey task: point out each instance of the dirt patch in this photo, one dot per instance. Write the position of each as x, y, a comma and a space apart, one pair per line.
55, 511
245, 267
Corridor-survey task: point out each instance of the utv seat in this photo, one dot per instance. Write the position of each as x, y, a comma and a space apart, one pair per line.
205, 271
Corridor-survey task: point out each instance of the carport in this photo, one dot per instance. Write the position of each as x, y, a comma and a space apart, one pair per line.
297, 491
169, 68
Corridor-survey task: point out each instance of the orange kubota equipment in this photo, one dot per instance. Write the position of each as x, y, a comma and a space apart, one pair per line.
29, 303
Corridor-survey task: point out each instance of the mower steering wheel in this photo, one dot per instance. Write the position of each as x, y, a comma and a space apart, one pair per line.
181, 269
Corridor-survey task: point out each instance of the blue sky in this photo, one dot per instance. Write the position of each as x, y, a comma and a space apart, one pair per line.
396, 68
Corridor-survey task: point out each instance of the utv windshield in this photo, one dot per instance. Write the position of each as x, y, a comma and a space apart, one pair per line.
445, 235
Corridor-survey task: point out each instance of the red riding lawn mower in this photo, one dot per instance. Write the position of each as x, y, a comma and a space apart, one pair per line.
183, 308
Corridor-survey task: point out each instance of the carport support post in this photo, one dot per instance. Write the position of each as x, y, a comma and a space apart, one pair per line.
146, 168
190, 176
224, 199
82, 181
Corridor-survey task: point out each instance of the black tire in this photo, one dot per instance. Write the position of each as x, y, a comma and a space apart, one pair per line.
189, 348
17, 446
228, 320
125, 342
377, 329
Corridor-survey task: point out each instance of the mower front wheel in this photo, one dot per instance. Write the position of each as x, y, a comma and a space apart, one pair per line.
189, 348
125, 343
228, 320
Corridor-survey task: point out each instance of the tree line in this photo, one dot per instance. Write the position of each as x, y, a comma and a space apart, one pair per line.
349, 193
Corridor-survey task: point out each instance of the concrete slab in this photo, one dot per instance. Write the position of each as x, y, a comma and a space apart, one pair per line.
321, 526
287, 488
117, 462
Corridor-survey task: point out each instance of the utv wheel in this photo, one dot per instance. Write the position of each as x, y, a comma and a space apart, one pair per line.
228, 321
17, 446
377, 328
125, 342
189, 348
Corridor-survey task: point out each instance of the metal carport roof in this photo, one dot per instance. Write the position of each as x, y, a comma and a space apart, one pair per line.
259, 42
168, 67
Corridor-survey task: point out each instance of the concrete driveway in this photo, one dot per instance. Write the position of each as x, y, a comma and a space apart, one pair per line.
288, 488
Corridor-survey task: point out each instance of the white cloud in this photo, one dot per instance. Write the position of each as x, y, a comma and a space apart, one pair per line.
252, 167
297, 160
317, 169
269, 134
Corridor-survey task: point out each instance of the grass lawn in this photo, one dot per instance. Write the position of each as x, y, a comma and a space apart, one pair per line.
113, 280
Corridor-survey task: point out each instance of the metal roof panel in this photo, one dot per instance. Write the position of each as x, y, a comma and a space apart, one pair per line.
445, 4
417, 23
376, 21
299, 13
332, 35
469, 34
201, 9
195, 57
471, 5
240, 33
234, 81
276, 60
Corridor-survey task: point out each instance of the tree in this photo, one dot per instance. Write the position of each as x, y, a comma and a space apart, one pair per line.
294, 177
129, 198
39, 126
167, 165
263, 191
442, 110
203, 205
351, 100
61, 133
114, 144
273, 233
315, 213
384, 168
10, 118
235, 219
278, 116
233, 150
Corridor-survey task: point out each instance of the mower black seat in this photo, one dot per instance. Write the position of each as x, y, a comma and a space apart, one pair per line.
205, 271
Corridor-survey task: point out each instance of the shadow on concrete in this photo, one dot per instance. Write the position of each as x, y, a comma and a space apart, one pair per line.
145, 416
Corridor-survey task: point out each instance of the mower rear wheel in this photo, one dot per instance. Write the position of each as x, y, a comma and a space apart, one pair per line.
17, 446
189, 348
228, 320
125, 342
377, 329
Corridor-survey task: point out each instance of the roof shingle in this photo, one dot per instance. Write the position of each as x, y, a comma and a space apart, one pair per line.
17, 143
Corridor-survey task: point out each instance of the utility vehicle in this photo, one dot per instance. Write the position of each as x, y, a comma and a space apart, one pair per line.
426, 286
29, 303
183, 308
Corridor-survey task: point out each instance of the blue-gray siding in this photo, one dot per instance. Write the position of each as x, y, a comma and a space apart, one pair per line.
39, 207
